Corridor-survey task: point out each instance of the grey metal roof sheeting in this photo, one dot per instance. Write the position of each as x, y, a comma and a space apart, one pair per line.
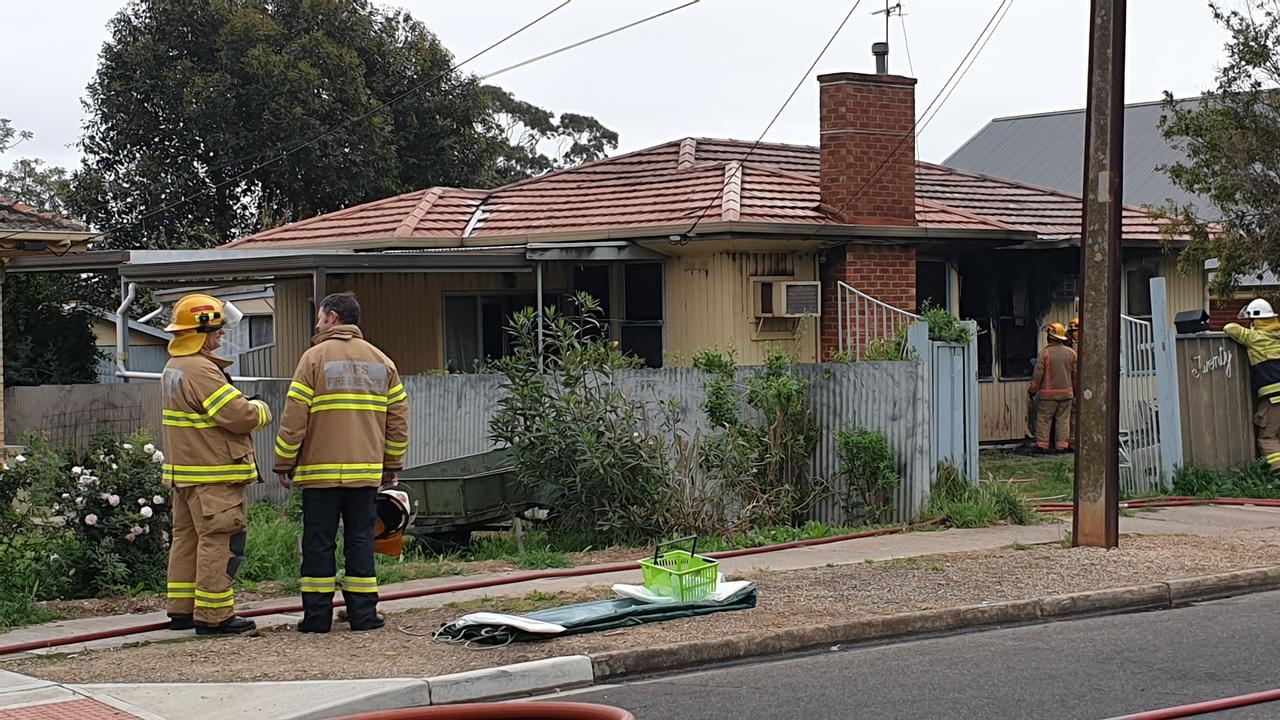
1048, 150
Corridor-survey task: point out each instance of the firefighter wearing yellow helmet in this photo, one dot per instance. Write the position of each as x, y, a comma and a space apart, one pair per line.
1262, 340
207, 424
1053, 387
1073, 333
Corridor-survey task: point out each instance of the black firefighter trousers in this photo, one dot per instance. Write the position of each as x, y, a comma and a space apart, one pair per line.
321, 510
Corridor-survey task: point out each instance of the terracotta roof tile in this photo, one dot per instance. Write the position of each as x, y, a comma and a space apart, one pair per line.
20, 216
671, 184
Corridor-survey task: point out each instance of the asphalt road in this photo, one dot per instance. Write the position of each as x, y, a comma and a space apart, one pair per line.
1076, 670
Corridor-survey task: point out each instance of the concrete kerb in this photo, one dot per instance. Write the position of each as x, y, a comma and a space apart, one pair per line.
615, 664
576, 671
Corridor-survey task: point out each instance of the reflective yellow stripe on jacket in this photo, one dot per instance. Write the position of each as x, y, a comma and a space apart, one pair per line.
286, 450
178, 418
349, 401
220, 398
341, 472
397, 394
203, 474
301, 393
396, 449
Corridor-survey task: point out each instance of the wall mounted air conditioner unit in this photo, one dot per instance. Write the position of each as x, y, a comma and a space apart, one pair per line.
779, 298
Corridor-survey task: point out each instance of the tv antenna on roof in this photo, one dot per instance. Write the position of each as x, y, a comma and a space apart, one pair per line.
889, 11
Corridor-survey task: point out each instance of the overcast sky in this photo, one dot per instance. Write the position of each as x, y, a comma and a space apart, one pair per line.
720, 68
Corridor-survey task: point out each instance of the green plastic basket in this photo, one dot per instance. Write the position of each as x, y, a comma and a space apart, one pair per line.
680, 575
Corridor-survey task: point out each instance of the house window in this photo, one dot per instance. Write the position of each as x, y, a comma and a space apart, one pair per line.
594, 281
475, 327
261, 330
931, 284
1138, 292
641, 327
986, 356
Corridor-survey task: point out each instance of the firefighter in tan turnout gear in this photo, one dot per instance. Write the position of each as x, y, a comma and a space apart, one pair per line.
207, 424
1053, 387
344, 434
1262, 340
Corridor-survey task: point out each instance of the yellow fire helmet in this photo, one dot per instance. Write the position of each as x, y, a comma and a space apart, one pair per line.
196, 316
1056, 331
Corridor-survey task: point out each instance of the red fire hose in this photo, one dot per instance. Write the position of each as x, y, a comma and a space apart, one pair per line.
458, 586
1177, 501
501, 711
1208, 706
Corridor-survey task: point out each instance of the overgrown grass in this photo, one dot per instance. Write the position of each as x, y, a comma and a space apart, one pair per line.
18, 607
965, 505
1036, 477
1246, 481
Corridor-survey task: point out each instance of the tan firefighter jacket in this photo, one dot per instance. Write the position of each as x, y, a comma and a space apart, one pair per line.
1055, 374
207, 423
346, 419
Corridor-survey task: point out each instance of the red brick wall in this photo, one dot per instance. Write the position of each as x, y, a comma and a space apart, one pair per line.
1222, 312
867, 122
886, 273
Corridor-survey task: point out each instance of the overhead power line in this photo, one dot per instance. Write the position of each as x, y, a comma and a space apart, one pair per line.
281, 156
778, 114
939, 100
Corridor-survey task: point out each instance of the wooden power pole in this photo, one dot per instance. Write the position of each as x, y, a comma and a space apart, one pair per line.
1097, 511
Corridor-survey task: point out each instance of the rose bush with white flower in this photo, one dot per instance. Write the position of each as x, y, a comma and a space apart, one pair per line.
81, 509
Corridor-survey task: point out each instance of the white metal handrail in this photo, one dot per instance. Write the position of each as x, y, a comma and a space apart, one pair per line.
863, 319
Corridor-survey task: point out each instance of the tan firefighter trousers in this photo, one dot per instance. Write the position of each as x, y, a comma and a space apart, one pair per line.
1267, 422
1049, 413
208, 546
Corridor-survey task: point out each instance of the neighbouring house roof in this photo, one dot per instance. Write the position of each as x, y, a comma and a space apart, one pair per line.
1054, 216
1047, 149
20, 216
134, 325
671, 185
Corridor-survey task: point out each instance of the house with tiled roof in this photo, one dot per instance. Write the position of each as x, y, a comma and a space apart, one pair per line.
699, 243
681, 241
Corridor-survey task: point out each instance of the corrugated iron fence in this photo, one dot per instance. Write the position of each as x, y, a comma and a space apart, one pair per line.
450, 416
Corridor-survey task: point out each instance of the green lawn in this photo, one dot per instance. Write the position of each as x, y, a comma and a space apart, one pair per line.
1045, 478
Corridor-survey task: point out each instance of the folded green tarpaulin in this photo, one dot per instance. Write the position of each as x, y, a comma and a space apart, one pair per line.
494, 629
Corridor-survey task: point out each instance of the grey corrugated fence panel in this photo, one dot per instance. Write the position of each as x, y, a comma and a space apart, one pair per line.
890, 397
259, 362
142, 358
76, 413
272, 392
1217, 404
450, 416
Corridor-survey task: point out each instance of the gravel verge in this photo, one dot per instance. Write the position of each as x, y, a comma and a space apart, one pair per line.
818, 595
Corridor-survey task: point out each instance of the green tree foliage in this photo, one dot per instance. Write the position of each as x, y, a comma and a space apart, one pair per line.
1232, 141
191, 94
45, 340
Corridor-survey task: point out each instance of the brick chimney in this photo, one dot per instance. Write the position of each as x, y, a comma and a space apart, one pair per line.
863, 118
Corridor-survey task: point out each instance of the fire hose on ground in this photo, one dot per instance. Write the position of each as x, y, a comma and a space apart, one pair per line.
1177, 501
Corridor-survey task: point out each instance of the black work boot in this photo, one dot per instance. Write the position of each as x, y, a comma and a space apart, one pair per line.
378, 622
181, 622
233, 626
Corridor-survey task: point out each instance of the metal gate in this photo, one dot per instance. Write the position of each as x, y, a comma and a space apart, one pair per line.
868, 327
1142, 467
